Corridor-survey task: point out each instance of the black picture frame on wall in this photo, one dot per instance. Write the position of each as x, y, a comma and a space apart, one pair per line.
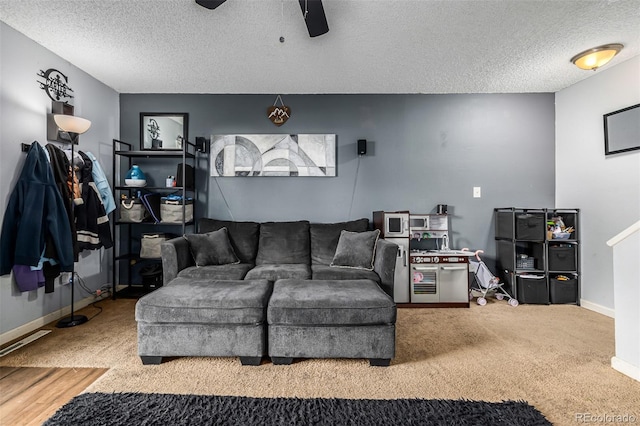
163, 131
622, 130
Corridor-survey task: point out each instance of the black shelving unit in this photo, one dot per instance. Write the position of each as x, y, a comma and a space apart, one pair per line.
126, 252
537, 266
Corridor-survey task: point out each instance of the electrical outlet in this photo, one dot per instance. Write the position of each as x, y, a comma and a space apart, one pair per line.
476, 192
65, 278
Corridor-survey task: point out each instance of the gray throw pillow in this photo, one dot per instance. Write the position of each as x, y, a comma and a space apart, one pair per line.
212, 248
356, 250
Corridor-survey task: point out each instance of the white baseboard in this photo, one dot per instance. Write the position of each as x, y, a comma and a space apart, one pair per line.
42, 321
625, 368
611, 313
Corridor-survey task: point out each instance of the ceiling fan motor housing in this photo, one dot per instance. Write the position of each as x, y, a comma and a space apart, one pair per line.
312, 11
210, 4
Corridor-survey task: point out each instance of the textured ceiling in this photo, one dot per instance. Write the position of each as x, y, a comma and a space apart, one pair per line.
373, 46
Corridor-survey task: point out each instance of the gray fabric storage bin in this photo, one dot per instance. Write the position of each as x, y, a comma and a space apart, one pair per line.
132, 210
150, 245
532, 289
563, 291
171, 211
562, 257
530, 226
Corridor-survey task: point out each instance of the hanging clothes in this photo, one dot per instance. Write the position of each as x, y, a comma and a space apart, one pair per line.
92, 223
26, 279
77, 163
62, 174
35, 218
102, 184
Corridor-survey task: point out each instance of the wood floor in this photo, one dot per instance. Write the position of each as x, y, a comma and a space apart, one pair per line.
30, 395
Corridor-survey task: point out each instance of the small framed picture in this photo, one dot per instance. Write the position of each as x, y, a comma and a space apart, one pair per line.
163, 131
622, 130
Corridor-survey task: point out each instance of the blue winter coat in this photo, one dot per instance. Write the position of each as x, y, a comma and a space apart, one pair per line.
35, 216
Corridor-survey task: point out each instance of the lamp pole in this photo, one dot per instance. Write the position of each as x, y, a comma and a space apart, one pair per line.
73, 126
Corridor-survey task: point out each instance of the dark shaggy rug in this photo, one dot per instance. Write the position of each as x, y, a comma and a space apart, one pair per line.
165, 409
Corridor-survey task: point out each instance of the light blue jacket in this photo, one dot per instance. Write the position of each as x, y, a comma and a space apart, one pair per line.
102, 184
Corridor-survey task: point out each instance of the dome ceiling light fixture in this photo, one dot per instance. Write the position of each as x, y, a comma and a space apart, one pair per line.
593, 59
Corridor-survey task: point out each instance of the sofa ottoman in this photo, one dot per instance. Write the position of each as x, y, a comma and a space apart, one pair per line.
190, 317
331, 319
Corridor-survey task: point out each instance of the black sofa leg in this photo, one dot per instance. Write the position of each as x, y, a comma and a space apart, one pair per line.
379, 362
151, 360
250, 360
281, 360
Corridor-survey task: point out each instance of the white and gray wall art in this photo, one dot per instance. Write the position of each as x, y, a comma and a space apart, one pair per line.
273, 155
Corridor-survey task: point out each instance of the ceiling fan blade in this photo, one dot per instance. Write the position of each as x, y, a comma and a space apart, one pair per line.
314, 17
210, 4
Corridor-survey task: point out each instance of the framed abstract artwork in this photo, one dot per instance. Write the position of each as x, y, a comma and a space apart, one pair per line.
273, 155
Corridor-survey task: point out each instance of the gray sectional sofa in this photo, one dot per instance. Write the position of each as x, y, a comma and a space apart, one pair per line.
284, 289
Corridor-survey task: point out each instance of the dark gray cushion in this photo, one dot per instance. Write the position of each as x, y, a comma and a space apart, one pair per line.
329, 302
356, 250
210, 302
337, 341
326, 272
235, 271
243, 236
281, 271
283, 242
325, 236
212, 248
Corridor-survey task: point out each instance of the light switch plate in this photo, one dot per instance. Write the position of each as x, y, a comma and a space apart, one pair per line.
476, 192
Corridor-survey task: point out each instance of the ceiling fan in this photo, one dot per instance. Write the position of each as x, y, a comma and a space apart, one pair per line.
312, 11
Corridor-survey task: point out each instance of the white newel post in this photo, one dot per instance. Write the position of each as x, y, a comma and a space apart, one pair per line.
626, 298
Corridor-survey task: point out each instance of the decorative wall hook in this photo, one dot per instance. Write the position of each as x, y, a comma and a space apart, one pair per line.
278, 114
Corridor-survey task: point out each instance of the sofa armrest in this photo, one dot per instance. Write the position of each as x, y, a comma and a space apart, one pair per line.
175, 257
384, 264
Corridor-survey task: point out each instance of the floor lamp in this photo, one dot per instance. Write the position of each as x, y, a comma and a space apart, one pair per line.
72, 126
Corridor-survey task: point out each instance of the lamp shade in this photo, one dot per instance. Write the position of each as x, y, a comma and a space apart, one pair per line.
598, 56
71, 123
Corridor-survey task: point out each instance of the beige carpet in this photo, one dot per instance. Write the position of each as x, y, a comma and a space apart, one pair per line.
555, 357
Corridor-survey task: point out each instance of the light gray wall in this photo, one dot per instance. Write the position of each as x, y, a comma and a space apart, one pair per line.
23, 119
605, 188
423, 150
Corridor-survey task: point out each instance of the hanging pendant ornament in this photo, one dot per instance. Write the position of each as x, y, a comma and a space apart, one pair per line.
278, 114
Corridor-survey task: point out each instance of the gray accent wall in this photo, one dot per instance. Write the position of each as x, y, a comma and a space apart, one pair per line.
422, 150
23, 119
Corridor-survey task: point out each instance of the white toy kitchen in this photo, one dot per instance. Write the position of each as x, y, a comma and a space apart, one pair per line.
428, 272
